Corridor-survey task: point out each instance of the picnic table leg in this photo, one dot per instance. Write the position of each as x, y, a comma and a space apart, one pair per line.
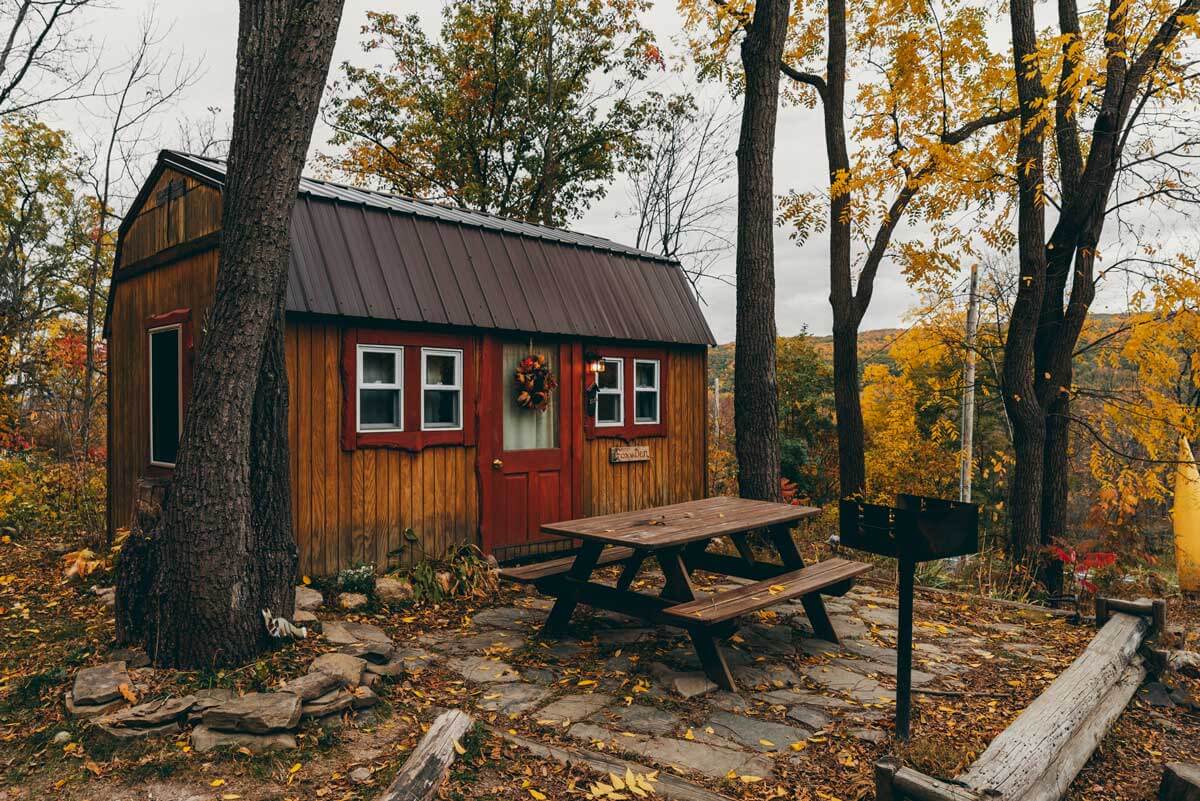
742, 543
678, 587
630, 571
814, 605
581, 569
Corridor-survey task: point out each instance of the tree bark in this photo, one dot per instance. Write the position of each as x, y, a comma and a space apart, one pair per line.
1020, 396
756, 413
1057, 276
217, 569
852, 471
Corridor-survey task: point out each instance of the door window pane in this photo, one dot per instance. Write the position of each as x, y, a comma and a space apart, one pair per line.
165, 396
526, 429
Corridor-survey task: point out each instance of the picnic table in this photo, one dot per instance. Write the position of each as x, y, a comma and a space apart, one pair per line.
678, 538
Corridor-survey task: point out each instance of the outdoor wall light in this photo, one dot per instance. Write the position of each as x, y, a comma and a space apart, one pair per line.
595, 365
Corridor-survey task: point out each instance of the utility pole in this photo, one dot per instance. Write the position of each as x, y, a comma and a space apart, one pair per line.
968, 398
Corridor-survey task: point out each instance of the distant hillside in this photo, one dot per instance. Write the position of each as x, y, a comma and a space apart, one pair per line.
875, 343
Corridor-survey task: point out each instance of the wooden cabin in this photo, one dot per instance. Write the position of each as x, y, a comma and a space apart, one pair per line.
407, 324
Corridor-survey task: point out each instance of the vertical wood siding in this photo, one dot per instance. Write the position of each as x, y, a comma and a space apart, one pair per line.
676, 469
353, 506
160, 225
188, 283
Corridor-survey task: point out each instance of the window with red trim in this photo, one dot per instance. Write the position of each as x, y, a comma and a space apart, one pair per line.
628, 395
168, 383
406, 390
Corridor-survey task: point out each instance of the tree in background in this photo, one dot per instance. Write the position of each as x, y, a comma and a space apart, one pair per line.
756, 412
680, 191
521, 108
44, 232
44, 57
144, 85
1106, 93
934, 104
224, 549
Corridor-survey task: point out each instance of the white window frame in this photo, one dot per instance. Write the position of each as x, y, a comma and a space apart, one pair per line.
178, 329
657, 390
397, 352
619, 391
457, 353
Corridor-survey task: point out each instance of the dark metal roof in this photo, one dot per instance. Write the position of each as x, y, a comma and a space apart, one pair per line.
367, 254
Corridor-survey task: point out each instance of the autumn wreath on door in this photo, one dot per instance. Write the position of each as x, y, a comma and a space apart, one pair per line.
534, 383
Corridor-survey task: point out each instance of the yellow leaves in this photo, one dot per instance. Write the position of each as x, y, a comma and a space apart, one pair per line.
458, 749
537, 794
305, 580
79, 564
618, 788
216, 783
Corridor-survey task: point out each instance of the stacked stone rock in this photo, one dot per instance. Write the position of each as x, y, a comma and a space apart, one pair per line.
336, 683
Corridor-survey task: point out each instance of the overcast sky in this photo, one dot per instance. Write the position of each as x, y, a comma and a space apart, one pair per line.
207, 32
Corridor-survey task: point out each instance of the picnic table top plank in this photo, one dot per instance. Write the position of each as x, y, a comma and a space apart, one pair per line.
681, 523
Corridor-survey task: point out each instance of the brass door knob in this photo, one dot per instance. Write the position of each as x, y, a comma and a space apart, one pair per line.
497, 464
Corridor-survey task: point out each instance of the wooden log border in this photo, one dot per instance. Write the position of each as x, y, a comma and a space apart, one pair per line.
1038, 756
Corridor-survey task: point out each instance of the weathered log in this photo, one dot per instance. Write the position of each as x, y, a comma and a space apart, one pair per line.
430, 761
1040, 753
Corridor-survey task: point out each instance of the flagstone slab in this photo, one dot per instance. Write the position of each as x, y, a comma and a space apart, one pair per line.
509, 617
345, 668
483, 670
151, 714
206, 739
710, 760
755, 734
513, 697
794, 696
919, 677
255, 713
308, 599
341, 632
641, 718
573, 707
809, 717
100, 684
765, 676
492, 640
311, 685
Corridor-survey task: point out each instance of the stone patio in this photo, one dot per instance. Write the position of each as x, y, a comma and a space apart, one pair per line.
616, 685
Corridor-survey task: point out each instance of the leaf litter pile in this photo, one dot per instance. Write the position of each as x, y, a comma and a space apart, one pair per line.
51, 626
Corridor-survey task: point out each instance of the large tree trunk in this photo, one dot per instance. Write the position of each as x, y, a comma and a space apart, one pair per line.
852, 471
271, 502
1020, 397
216, 569
756, 410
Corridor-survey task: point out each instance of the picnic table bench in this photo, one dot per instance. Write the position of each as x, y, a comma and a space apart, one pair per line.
678, 537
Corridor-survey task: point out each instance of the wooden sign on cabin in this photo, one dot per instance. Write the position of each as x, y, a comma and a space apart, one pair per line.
629, 453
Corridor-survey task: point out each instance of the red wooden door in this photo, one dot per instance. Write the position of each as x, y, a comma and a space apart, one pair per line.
527, 460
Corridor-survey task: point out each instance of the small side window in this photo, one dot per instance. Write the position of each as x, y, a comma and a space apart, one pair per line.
645, 391
166, 394
610, 395
380, 388
441, 389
